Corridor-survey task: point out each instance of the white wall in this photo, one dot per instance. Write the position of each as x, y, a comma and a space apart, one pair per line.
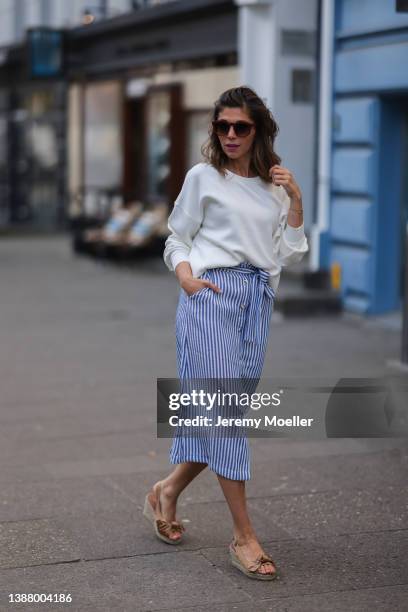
296, 141
264, 68
6, 22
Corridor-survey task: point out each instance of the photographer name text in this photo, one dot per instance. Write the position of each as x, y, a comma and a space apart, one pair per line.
274, 421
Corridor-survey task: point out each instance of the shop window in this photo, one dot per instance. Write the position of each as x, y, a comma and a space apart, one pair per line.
37, 132
197, 133
103, 146
158, 143
302, 85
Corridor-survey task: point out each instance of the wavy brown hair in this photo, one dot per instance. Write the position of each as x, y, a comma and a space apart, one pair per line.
263, 154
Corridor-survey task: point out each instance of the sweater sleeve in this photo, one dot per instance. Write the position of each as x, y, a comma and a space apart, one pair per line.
184, 221
290, 243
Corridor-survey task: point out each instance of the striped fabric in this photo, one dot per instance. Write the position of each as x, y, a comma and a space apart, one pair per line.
221, 336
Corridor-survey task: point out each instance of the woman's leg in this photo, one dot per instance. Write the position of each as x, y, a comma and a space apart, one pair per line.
252, 360
174, 484
244, 534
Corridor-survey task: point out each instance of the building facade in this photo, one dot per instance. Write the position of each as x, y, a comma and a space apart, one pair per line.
363, 205
278, 57
34, 96
130, 105
103, 98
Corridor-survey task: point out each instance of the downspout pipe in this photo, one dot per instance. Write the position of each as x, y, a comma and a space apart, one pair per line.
319, 256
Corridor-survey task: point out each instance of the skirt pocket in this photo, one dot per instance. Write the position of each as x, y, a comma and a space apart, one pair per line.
203, 276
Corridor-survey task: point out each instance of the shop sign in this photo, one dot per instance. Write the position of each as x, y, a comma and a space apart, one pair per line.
45, 52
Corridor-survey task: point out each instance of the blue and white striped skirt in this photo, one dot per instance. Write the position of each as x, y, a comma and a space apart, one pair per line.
222, 336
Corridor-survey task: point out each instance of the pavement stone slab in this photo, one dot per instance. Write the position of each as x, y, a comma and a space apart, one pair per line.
304, 449
101, 447
116, 534
355, 561
337, 471
384, 599
74, 496
76, 424
110, 466
22, 473
366, 600
313, 515
205, 488
25, 543
146, 582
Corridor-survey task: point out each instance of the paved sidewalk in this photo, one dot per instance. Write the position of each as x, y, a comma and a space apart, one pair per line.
81, 346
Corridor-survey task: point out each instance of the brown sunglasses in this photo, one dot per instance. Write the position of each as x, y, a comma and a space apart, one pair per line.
241, 128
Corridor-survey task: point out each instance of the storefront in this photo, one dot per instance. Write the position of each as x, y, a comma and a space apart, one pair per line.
141, 89
33, 146
116, 110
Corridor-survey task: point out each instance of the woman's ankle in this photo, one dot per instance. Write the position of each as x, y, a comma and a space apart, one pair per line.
168, 490
244, 537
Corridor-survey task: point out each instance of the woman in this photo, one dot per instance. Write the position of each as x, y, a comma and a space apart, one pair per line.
237, 220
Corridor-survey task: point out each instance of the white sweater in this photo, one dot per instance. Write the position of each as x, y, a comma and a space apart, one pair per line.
219, 221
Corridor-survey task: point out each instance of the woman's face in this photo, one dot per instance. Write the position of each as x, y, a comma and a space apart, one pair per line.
235, 146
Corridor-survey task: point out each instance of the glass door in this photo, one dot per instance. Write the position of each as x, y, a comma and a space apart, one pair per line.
158, 144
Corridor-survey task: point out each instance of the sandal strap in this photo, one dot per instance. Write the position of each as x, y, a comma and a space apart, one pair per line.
264, 558
260, 561
253, 566
165, 528
178, 527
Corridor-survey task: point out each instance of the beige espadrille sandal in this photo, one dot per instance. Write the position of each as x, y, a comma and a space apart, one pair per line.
163, 529
251, 568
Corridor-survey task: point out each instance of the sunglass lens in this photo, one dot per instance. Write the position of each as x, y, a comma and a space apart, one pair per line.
242, 129
222, 128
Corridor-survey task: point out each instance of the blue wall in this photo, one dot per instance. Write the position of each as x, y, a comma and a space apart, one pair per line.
370, 68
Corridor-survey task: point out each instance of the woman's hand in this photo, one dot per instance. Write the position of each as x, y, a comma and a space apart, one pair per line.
283, 176
190, 284
193, 285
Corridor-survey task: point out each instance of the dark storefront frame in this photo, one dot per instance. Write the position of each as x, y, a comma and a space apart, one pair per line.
32, 185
